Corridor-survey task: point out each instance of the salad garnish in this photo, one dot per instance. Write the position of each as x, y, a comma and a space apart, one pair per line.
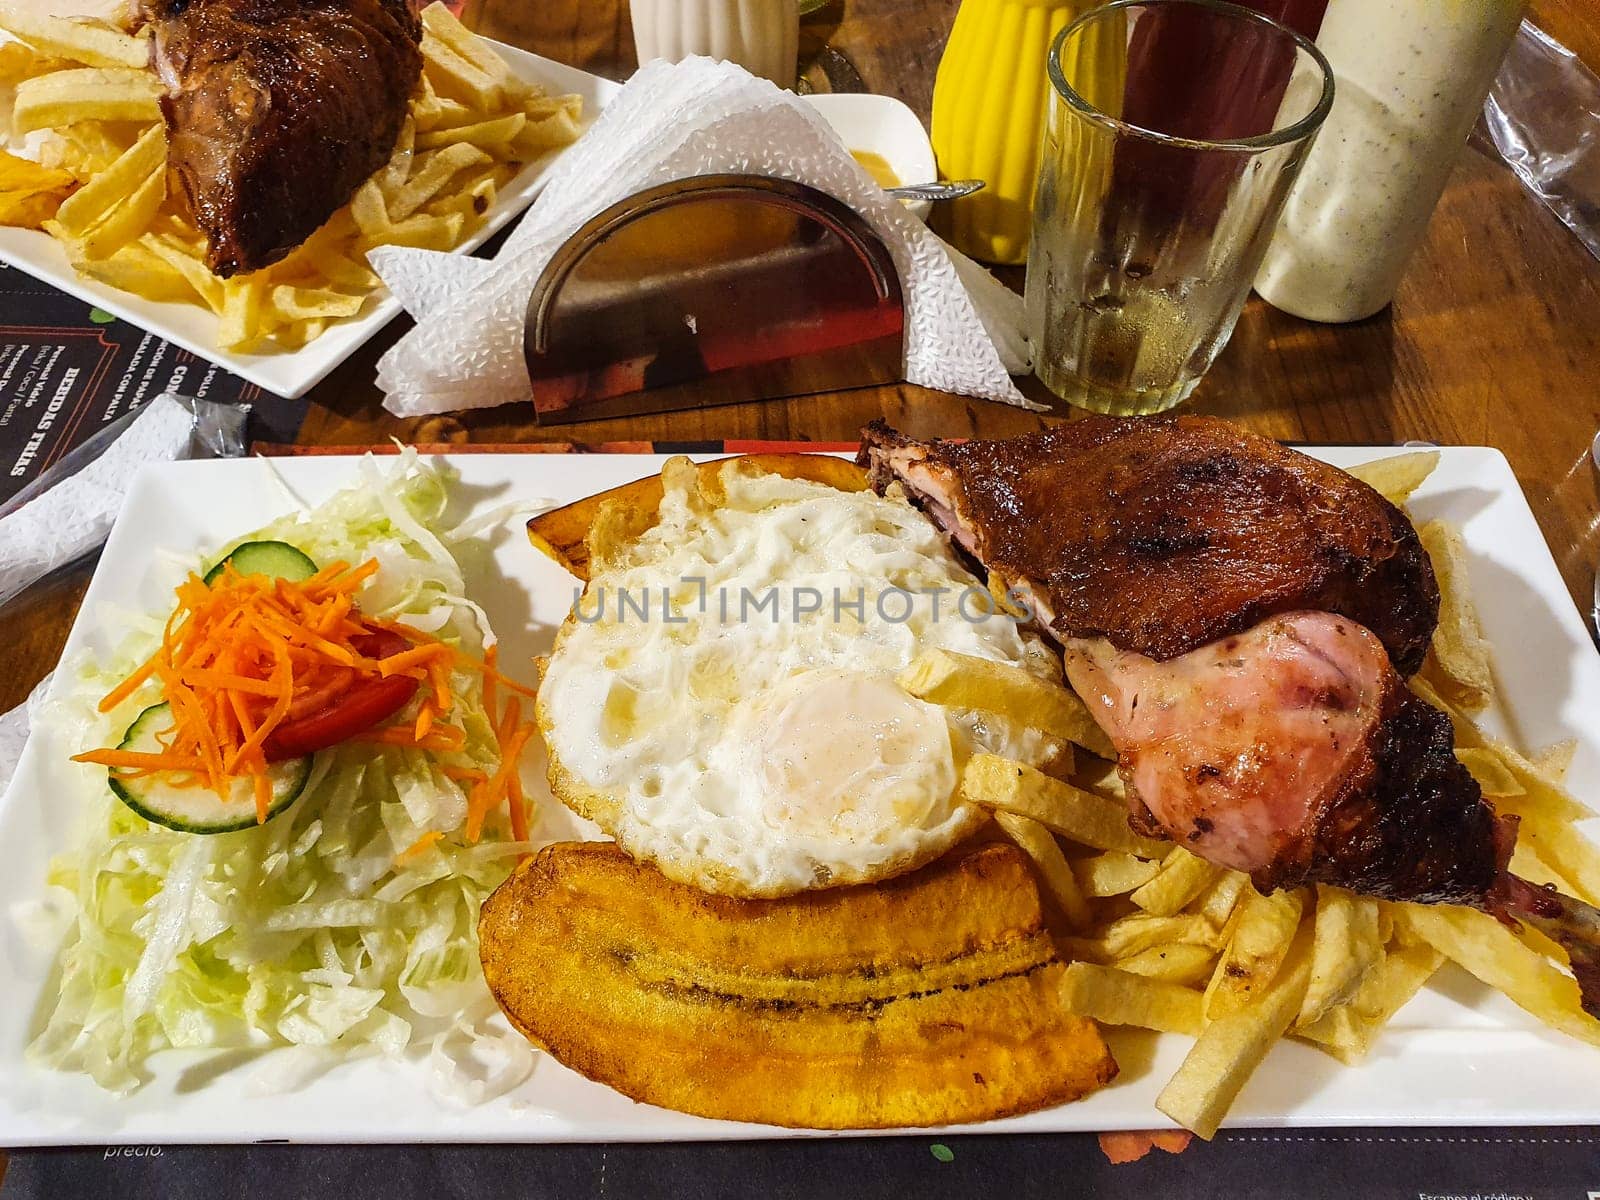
258, 669
346, 923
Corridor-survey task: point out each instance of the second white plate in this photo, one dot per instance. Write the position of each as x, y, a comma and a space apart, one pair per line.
291, 373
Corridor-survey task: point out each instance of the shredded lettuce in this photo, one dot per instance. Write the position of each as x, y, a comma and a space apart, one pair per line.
310, 930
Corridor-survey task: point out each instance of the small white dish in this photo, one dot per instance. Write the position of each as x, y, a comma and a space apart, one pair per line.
292, 373
883, 126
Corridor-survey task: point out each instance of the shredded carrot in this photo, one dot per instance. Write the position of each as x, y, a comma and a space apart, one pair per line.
489, 795
491, 660
398, 664
140, 760
510, 684
439, 681
263, 797
440, 737
419, 846
519, 808
131, 684
242, 656
317, 698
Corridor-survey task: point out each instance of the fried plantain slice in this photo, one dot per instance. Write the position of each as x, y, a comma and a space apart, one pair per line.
562, 533
930, 999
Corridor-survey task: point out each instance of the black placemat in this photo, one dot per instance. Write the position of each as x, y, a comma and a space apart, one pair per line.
1414, 1164
67, 369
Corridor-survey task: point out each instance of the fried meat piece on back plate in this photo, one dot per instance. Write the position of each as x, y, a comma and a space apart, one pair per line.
278, 110
1240, 619
928, 999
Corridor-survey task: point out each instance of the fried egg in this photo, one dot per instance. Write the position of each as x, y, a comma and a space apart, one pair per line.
722, 698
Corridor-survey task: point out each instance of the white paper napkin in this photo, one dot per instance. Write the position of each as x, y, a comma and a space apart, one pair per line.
75, 516
673, 121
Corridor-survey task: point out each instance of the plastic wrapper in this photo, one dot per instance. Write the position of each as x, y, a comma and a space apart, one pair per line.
1543, 116
66, 513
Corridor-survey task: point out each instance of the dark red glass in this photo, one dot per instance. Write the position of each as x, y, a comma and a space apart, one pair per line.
1187, 78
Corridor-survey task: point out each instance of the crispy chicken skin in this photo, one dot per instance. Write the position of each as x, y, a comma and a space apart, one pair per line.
278, 110
929, 999
1238, 618
1165, 533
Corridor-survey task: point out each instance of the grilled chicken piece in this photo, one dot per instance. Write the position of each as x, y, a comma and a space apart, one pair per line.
1234, 615
928, 999
1295, 752
1165, 533
278, 110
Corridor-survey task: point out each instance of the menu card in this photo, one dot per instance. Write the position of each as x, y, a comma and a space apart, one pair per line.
68, 369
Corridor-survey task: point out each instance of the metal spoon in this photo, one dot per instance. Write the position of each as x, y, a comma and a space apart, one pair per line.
952, 189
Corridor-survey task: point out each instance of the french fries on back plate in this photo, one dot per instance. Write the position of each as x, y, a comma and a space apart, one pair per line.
83, 85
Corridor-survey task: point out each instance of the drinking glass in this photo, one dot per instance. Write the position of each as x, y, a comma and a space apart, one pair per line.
1176, 128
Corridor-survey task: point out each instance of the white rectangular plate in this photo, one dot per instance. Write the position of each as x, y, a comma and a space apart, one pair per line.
1458, 1054
292, 373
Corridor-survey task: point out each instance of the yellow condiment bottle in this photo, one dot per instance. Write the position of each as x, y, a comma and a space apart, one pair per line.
989, 102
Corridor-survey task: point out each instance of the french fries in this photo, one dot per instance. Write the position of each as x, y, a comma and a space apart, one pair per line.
1397, 476
472, 126
1459, 649
1180, 962
31, 194
1042, 847
1117, 997
1182, 877
75, 41
1259, 935
118, 204
1346, 945
1348, 1030
1504, 961
1231, 1047
962, 681
80, 94
1113, 873
998, 783
1137, 932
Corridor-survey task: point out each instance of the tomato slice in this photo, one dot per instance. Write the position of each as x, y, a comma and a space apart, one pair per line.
365, 704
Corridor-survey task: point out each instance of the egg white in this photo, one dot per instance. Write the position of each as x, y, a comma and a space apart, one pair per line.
748, 737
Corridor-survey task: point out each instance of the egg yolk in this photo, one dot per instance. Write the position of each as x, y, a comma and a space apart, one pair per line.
842, 755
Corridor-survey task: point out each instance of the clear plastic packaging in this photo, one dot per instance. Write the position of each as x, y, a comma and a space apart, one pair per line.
1543, 115
66, 513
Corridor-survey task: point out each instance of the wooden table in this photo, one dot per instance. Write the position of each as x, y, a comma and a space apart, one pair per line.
1494, 339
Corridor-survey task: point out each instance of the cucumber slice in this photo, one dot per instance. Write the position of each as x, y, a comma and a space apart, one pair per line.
198, 809
277, 560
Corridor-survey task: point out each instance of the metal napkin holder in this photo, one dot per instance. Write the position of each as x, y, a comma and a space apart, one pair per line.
712, 290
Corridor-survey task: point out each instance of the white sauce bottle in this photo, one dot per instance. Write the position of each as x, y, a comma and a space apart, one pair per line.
762, 36
1411, 76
